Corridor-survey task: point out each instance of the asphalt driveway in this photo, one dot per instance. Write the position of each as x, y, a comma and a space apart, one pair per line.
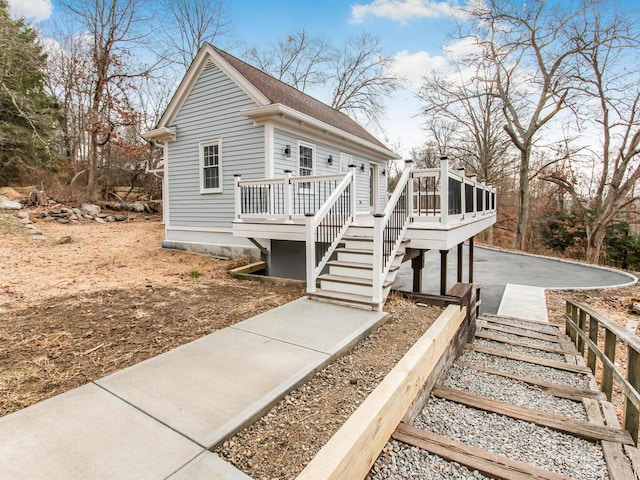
494, 269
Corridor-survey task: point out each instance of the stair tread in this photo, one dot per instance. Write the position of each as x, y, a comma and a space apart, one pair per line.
351, 280
347, 297
363, 251
359, 265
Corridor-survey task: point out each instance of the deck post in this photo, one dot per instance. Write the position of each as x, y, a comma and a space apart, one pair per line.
287, 196
474, 179
409, 201
484, 197
631, 413
444, 190
311, 253
376, 294
417, 265
238, 197
443, 271
463, 191
460, 245
471, 259
353, 192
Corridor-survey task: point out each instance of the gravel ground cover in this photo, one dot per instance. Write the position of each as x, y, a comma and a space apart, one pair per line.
517, 393
541, 327
399, 460
532, 352
525, 369
511, 336
521, 334
515, 439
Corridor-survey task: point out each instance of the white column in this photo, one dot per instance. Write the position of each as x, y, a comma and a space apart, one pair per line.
311, 253
376, 295
444, 190
287, 191
238, 197
353, 193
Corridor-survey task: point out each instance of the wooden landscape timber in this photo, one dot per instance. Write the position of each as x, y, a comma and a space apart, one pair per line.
353, 449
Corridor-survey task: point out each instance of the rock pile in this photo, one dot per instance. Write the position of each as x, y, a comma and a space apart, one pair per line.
86, 212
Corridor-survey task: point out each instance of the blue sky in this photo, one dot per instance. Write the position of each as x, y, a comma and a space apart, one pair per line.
412, 31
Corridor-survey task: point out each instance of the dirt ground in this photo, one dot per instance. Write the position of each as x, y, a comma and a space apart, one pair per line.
72, 313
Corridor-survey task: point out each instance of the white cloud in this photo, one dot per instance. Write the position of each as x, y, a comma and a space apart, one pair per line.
402, 10
37, 10
412, 67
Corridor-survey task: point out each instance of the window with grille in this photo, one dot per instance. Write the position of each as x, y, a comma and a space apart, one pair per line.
210, 167
306, 157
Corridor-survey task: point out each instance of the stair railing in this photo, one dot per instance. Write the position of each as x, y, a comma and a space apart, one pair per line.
326, 227
389, 228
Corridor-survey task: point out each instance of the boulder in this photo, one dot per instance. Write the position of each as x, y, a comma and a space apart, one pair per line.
6, 204
64, 239
90, 208
120, 218
100, 220
77, 212
64, 221
22, 215
110, 219
137, 207
146, 208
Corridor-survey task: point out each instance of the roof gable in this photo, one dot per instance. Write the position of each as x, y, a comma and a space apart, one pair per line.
264, 90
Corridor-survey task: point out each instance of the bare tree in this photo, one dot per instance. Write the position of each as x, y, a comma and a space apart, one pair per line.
194, 22
609, 81
362, 79
530, 50
114, 28
479, 141
299, 60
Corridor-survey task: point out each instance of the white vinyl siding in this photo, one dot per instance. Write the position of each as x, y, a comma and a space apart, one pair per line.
211, 167
345, 161
210, 112
322, 151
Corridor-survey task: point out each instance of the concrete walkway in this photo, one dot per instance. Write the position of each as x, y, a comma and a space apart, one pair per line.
494, 269
159, 418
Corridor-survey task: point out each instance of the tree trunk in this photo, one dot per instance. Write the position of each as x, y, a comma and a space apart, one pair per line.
92, 168
595, 239
520, 242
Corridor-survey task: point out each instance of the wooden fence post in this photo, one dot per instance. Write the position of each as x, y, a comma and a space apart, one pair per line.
582, 320
593, 336
631, 413
610, 353
567, 311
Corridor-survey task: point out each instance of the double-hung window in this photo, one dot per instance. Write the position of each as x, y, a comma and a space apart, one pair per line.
345, 161
306, 160
211, 167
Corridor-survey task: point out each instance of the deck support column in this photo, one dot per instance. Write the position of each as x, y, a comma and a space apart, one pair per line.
443, 271
471, 259
417, 265
460, 245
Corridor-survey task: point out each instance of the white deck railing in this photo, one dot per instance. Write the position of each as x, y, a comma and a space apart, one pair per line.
463, 198
283, 198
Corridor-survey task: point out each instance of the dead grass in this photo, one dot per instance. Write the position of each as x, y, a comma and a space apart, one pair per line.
77, 312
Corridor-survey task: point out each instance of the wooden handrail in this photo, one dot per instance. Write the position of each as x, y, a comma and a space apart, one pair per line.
585, 334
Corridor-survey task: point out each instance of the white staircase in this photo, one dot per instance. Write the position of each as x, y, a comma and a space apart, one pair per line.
350, 277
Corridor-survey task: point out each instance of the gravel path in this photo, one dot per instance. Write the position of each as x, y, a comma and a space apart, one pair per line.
548, 449
544, 328
545, 448
525, 369
512, 391
401, 461
533, 352
511, 336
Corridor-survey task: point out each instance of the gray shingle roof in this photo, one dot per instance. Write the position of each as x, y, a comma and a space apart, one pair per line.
279, 92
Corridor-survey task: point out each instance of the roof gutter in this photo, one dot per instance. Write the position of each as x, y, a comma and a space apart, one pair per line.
268, 112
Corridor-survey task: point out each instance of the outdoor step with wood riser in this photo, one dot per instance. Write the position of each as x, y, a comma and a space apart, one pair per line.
343, 298
351, 280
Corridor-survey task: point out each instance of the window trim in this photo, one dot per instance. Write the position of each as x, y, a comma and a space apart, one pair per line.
307, 188
201, 147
